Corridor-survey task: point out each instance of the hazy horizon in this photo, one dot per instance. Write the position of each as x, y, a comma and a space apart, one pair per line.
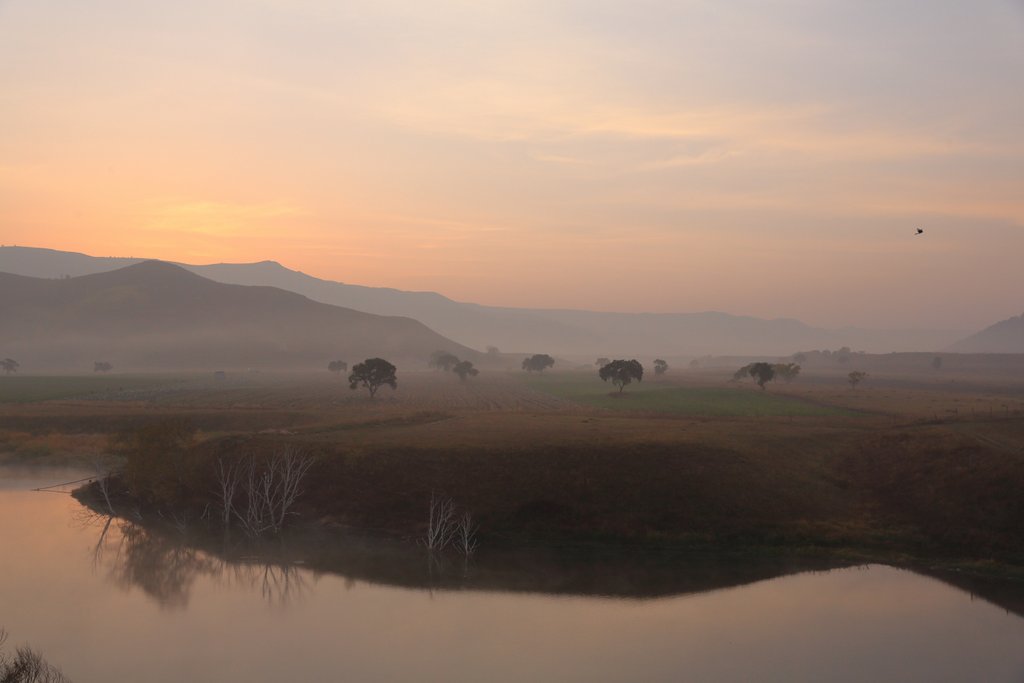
26, 269
654, 156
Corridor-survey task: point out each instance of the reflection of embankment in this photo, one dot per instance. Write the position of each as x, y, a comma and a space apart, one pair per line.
165, 562
1006, 594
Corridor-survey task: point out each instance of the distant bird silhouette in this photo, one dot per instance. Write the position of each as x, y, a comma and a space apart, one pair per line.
920, 231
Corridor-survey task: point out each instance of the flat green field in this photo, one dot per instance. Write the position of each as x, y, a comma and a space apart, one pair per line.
29, 388
658, 397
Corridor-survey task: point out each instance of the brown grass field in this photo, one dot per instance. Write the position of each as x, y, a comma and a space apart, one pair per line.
901, 466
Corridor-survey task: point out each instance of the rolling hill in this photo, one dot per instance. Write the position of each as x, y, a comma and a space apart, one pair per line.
1006, 336
155, 315
568, 333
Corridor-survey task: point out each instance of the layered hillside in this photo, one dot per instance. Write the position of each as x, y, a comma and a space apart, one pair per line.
577, 334
1006, 336
155, 315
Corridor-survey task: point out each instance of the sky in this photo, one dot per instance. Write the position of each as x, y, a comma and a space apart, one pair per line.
761, 158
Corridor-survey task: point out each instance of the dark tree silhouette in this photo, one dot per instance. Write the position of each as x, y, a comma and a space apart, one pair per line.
9, 365
855, 378
464, 369
443, 360
660, 366
762, 373
337, 366
787, 371
742, 373
26, 666
538, 362
102, 366
373, 373
622, 372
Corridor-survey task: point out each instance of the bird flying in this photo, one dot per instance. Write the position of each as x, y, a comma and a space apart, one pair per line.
920, 231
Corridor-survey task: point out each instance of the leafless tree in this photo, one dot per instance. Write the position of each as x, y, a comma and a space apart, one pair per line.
271, 488
27, 666
465, 534
103, 483
441, 524
229, 477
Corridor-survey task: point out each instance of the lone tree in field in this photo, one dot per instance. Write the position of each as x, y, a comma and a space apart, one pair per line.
443, 360
937, 362
855, 378
538, 362
373, 373
622, 372
102, 366
9, 365
602, 361
762, 373
742, 373
660, 366
337, 366
787, 371
464, 369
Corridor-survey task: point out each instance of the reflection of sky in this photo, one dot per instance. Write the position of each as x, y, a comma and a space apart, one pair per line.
453, 146
845, 625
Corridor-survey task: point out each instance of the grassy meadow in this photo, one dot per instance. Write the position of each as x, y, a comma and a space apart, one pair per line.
669, 397
33, 388
891, 469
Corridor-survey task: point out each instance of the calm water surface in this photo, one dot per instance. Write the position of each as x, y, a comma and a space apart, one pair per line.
129, 606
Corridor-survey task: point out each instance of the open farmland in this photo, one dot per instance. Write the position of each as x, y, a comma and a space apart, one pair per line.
679, 458
29, 388
673, 396
416, 391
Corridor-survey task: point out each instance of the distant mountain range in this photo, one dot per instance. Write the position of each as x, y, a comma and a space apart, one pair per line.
1006, 336
154, 315
568, 333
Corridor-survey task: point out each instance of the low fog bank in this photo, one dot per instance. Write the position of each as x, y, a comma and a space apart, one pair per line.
229, 349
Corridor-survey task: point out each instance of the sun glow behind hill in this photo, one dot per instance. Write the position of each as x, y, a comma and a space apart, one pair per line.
664, 156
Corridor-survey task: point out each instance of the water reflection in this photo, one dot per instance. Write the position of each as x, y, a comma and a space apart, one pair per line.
164, 562
165, 565
119, 602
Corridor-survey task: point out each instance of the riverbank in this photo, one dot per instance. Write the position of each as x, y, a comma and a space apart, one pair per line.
932, 471
925, 493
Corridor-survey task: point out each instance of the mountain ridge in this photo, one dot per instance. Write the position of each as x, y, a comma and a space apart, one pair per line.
1005, 336
153, 314
567, 332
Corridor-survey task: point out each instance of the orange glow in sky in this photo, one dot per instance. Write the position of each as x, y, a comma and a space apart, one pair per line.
651, 155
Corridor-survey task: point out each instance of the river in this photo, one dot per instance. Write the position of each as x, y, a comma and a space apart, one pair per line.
114, 602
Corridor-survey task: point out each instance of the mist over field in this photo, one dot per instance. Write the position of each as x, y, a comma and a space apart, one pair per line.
383, 340
577, 334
